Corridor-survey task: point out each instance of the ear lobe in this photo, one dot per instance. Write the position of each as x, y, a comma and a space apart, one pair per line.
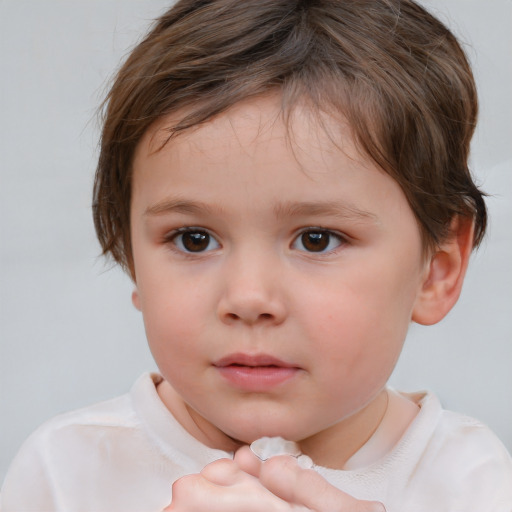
136, 299
445, 274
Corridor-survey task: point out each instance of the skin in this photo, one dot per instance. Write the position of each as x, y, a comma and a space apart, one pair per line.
248, 484
337, 316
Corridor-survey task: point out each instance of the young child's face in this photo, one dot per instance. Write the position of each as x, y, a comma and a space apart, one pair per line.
277, 271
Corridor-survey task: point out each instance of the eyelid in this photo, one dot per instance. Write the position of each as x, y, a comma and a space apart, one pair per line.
342, 238
170, 237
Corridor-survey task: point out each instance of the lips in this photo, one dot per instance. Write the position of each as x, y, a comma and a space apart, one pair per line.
255, 373
241, 359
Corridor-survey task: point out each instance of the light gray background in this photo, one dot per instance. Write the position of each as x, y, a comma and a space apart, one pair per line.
69, 335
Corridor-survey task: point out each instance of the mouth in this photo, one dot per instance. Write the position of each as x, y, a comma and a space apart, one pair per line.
255, 373
252, 361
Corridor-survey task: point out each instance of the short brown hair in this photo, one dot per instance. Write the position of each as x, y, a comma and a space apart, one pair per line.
392, 69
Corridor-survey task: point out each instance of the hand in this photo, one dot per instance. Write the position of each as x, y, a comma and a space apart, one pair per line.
248, 485
300, 487
223, 487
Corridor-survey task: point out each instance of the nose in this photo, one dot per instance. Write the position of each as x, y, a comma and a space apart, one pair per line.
251, 293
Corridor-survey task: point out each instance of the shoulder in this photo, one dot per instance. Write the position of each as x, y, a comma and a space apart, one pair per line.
460, 458
116, 413
461, 439
60, 429
76, 443
112, 413
97, 423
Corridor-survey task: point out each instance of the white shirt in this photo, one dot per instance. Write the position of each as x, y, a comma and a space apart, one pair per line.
124, 455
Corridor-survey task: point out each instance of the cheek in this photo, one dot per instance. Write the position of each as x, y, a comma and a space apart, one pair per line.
358, 325
173, 316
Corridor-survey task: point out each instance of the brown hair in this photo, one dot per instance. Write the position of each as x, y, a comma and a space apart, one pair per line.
393, 70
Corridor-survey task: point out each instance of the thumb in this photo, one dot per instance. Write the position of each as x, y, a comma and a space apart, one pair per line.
286, 479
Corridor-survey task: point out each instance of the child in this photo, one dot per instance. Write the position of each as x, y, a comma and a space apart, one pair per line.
286, 183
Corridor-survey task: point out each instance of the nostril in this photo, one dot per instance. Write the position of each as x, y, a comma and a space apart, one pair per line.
250, 308
233, 317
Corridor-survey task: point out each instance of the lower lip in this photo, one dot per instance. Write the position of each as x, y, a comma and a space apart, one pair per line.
257, 378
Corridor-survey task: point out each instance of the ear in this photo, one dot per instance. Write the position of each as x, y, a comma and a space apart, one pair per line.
136, 298
445, 274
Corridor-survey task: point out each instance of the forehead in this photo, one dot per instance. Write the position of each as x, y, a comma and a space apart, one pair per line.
248, 170
256, 158
252, 125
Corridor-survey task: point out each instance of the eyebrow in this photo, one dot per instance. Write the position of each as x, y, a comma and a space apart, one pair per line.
180, 206
330, 208
281, 210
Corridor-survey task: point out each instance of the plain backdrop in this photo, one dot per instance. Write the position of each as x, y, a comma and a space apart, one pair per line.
69, 334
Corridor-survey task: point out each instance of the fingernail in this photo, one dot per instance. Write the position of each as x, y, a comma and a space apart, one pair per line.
377, 506
267, 447
305, 462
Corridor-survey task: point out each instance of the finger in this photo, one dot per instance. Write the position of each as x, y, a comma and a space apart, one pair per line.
193, 493
223, 472
188, 493
247, 461
286, 479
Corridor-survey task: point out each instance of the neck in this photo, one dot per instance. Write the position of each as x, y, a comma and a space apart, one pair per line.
330, 448
334, 446
193, 422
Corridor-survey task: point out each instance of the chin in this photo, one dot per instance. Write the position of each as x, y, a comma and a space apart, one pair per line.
256, 430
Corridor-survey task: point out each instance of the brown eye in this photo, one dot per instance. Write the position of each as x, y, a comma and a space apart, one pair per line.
195, 241
317, 241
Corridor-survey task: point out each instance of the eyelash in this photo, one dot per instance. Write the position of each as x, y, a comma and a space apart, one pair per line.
341, 240
171, 239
